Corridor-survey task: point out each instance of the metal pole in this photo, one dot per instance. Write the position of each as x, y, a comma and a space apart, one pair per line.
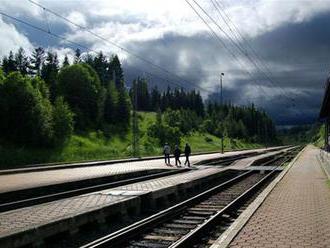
221, 89
135, 123
326, 133
221, 102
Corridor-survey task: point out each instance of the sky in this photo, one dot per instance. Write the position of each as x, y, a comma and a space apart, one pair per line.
273, 53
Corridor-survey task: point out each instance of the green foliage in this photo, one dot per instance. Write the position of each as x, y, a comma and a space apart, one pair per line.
140, 86
239, 122
63, 121
97, 146
80, 86
9, 63
49, 72
171, 99
185, 120
302, 134
37, 59
117, 72
41, 109
22, 62
25, 113
166, 132
2, 77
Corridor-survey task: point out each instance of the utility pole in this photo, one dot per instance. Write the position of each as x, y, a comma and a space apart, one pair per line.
266, 135
135, 132
221, 102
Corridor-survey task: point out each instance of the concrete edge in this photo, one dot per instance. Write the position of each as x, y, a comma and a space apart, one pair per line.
56, 166
227, 237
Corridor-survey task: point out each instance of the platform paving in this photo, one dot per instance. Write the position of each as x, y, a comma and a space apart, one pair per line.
43, 220
18, 181
24, 225
296, 213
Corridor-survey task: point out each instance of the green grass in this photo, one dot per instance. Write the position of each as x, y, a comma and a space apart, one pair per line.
96, 146
328, 183
319, 138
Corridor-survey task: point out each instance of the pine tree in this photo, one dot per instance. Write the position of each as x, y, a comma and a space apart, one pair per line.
49, 73
22, 61
77, 56
9, 64
65, 61
155, 99
115, 68
100, 65
38, 57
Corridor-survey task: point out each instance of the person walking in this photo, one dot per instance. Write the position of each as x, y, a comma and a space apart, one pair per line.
177, 153
167, 152
187, 152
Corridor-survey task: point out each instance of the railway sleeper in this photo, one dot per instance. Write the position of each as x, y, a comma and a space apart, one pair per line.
161, 237
179, 226
170, 231
148, 244
189, 222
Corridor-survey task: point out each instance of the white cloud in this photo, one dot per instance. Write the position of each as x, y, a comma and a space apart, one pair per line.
257, 17
11, 39
78, 18
20, 8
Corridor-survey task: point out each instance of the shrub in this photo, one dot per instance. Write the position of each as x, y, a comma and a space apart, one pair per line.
80, 86
63, 121
26, 116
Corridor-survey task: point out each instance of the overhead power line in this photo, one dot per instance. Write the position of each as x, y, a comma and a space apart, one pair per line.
225, 17
76, 44
239, 48
122, 48
223, 44
290, 100
258, 64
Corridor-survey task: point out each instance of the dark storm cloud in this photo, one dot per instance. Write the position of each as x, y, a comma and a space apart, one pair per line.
298, 56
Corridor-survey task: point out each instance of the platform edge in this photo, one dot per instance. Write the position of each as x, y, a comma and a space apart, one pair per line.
227, 237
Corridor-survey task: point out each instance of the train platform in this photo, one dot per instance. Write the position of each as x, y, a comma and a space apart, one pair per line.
293, 211
33, 224
34, 179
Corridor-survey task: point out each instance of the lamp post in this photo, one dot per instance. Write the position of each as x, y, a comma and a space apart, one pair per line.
221, 102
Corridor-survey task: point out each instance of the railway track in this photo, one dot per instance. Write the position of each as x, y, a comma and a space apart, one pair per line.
7, 204
225, 161
186, 222
24, 200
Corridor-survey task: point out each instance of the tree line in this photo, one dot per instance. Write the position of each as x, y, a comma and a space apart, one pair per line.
175, 99
43, 101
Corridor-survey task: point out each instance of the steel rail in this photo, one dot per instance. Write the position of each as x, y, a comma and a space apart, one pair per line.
140, 226
121, 236
188, 239
73, 192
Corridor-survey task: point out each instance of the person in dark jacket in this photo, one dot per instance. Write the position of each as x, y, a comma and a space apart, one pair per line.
167, 152
187, 152
177, 153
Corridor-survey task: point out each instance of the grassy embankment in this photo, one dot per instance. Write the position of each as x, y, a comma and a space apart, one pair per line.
95, 146
318, 139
